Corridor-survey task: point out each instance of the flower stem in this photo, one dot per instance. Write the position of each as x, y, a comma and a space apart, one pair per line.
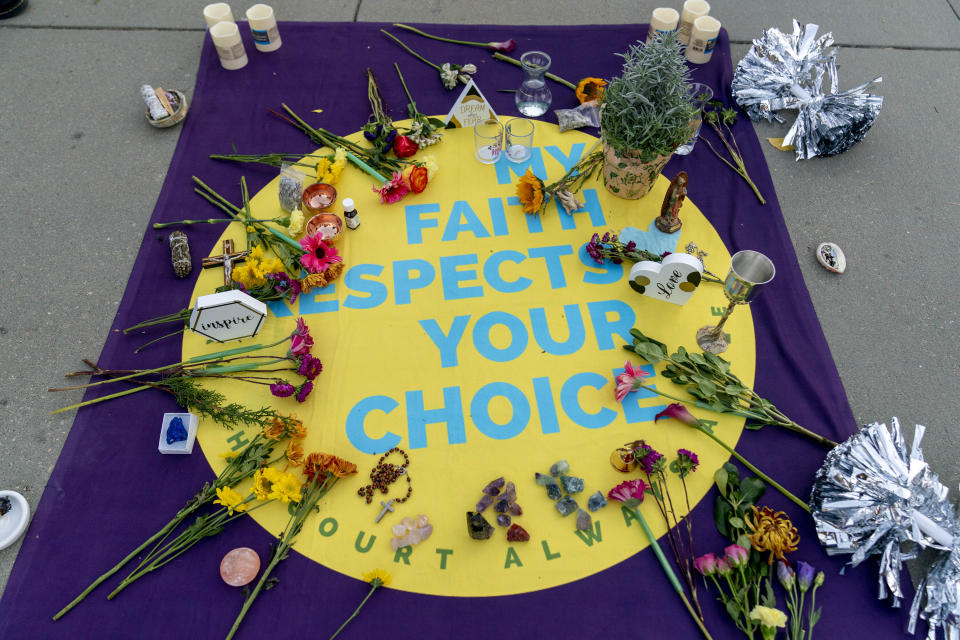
432, 37
409, 50
355, 611
761, 474
96, 400
671, 576
555, 78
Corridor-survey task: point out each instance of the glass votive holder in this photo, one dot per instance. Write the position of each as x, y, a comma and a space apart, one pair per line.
699, 94
519, 139
488, 140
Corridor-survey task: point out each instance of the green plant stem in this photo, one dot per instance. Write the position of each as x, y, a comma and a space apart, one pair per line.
813, 609
355, 611
409, 50
405, 89
555, 78
101, 399
432, 37
93, 585
741, 168
671, 576
144, 346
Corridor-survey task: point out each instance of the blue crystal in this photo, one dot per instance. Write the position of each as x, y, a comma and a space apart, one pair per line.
553, 492
584, 521
501, 506
596, 501
176, 432
560, 468
571, 484
567, 506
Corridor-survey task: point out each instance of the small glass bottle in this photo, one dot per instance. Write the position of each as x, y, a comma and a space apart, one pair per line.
350, 215
533, 97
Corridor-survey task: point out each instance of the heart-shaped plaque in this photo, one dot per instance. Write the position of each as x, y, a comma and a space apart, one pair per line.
673, 280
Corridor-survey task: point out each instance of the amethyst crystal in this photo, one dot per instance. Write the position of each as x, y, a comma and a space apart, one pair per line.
509, 492
485, 502
503, 520
584, 521
501, 506
515, 509
494, 487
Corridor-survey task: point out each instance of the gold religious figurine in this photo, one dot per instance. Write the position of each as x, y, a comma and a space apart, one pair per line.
669, 219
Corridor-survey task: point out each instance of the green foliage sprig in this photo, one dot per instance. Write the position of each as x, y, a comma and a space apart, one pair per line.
647, 108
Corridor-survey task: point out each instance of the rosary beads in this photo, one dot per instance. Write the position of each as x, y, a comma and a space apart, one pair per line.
384, 474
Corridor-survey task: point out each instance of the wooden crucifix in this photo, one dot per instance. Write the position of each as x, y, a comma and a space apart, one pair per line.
226, 260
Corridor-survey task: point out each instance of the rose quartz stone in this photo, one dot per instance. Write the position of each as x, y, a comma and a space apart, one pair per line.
240, 566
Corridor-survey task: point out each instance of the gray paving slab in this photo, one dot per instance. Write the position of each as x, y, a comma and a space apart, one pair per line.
171, 14
924, 23
80, 172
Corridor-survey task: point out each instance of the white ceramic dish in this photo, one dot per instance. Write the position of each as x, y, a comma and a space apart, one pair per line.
14, 523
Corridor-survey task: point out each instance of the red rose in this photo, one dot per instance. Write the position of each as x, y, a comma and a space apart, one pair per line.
404, 147
417, 179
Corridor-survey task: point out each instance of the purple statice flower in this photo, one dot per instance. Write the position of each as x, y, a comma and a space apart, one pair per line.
304, 390
630, 246
284, 284
282, 389
804, 575
310, 367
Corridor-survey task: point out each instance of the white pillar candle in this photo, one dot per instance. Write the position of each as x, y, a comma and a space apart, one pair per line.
217, 12
703, 39
226, 38
263, 27
692, 9
664, 20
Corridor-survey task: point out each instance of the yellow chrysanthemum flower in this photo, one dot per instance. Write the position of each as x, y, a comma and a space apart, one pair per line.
256, 254
286, 488
771, 531
232, 500
379, 575
323, 166
263, 483
294, 453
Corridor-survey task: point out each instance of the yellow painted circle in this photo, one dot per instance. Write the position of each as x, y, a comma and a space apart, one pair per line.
519, 415
642, 280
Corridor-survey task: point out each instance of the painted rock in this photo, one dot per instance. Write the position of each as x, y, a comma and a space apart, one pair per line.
240, 566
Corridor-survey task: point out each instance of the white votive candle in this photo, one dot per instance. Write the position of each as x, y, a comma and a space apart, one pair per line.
226, 38
663, 20
263, 27
703, 39
692, 9
217, 12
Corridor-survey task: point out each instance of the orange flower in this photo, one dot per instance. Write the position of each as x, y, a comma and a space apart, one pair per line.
590, 89
530, 192
275, 430
296, 428
772, 531
340, 467
294, 453
313, 465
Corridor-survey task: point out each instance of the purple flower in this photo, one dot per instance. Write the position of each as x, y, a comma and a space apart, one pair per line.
723, 566
630, 246
284, 284
687, 461
310, 367
629, 490
282, 389
804, 575
304, 390
785, 575
506, 46
652, 460
606, 237
678, 412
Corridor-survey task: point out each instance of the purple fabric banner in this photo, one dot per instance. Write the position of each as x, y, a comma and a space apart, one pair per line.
110, 489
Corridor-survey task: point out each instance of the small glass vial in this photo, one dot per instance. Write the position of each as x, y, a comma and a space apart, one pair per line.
533, 98
350, 215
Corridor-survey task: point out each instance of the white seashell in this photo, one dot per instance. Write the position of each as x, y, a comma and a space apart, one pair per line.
831, 257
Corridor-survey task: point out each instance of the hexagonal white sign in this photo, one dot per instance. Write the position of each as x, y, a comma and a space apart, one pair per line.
228, 315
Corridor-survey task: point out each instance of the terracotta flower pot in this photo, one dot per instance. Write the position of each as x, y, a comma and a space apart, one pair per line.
626, 176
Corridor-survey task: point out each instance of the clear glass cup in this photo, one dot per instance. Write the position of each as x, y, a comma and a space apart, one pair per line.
700, 94
533, 98
519, 136
488, 140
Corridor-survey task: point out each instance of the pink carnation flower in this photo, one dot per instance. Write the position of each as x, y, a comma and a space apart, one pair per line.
392, 190
630, 380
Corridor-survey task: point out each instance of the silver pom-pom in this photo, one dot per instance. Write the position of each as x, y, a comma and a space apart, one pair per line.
873, 496
787, 72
